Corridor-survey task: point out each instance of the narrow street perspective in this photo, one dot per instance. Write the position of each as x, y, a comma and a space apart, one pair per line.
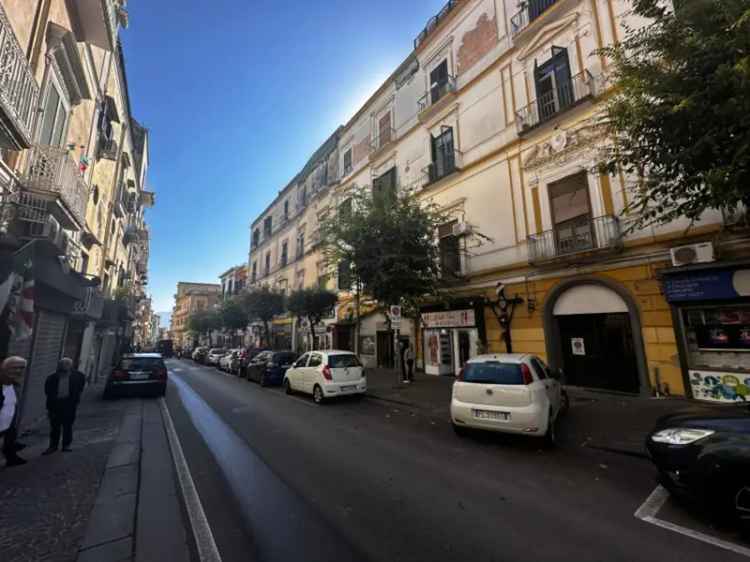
430, 281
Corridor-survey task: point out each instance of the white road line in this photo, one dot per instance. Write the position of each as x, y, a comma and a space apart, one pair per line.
204, 538
647, 512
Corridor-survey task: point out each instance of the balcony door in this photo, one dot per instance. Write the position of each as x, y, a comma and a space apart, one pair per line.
553, 85
54, 119
443, 154
438, 81
571, 214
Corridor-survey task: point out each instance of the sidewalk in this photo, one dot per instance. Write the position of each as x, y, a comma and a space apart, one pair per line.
114, 498
597, 420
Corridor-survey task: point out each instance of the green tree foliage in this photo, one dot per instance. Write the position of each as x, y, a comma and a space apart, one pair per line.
312, 304
233, 315
204, 322
263, 304
681, 113
386, 243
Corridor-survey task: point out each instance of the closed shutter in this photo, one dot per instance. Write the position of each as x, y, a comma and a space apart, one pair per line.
45, 353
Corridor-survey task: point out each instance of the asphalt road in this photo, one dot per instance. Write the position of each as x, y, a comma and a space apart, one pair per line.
283, 479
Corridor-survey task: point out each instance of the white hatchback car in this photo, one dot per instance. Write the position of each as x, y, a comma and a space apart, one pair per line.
510, 393
326, 374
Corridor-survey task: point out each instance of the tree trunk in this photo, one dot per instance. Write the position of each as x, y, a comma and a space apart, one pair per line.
356, 319
312, 332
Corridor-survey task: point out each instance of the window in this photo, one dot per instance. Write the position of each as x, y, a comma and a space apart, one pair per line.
55, 118
268, 263
717, 338
302, 361
348, 161
571, 214
443, 155
255, 271
268, 226
284, 253
384, 188
439, 80
303, 196
493, 372
384, 130
300, 245
256, 237
343, 361
316, 360
286, 210
345, 209
554, 88
541, 370
450, 257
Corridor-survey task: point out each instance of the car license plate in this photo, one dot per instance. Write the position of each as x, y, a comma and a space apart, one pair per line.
139, 376
349, 387
489, 415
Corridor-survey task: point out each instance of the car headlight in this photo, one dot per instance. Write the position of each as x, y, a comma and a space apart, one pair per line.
680, 435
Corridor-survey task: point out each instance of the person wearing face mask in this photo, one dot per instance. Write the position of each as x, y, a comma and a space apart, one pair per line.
11, 373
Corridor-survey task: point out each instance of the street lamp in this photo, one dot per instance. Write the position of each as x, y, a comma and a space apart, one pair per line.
503, 308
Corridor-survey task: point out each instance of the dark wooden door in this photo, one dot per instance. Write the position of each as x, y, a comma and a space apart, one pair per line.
385, 350
598, 351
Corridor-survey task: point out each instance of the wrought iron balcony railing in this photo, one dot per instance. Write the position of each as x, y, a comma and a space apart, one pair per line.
583, 234
566, 94
436, 93
445, 165
108, 149
384, 138
19, 92
433, 22
530, 10
52, 171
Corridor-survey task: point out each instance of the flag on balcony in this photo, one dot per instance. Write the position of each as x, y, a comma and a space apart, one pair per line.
83, 164
17, 293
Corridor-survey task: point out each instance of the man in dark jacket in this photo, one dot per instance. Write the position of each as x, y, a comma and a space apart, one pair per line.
63, 389
11, 373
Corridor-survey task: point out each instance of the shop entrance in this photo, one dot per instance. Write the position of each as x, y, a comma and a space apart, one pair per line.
596, 339
385, 350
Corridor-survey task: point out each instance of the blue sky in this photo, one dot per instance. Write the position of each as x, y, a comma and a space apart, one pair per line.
237, 94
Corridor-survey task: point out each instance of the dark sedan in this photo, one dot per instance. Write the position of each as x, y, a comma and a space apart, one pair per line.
269, 367
703, 454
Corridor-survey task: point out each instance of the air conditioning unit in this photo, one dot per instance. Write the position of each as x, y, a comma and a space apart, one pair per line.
702, 252
461, 229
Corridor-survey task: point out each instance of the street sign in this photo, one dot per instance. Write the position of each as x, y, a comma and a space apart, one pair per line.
395, 314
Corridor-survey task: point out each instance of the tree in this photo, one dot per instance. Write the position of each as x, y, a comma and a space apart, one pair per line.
312, 304
233, 315
680, 118
384, 245
204, 322
263, 304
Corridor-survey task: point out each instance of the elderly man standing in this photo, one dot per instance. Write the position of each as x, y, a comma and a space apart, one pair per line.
63, 389
11, 373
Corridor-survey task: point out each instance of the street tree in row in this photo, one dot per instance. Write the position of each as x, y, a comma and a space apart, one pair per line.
262, 304
233, 316
203, 322
680, 118
312, 304
383, 244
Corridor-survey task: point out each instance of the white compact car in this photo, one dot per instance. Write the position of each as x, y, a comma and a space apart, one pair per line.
214, 355
326, 374
510, 393
225, 362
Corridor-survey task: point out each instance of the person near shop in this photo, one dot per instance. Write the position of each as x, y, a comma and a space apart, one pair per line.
402, 352
11, 373
63, 389
409, 360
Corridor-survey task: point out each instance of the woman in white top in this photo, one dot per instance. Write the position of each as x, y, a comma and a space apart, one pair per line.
11, 373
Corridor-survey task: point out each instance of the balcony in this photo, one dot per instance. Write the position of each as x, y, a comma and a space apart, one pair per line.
564, 96
437, 98
52, 173
108, 149
443, 167
96, 21
19, 92
434, 21
579, 237
380, 144
530, 10
92, 304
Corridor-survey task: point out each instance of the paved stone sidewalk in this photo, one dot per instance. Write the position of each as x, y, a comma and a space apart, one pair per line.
45, 504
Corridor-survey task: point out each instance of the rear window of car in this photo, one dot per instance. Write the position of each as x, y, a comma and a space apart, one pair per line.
343, 361
141, 363
493, 372
284, 357
217, 350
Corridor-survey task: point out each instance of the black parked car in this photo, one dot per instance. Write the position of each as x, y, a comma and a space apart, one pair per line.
246, 355
137, 373
703, 454
269, 367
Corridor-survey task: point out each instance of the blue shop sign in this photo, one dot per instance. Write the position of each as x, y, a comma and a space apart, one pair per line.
707, 284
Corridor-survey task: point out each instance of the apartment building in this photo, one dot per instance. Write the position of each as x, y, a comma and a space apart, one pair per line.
233, 281
191, 298
62, 87
494, 118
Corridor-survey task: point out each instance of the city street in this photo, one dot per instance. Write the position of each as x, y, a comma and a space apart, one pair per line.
280, 478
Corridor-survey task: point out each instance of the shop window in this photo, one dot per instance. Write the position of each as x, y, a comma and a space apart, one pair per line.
718, 338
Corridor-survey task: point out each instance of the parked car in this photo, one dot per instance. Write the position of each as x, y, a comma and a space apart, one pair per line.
326, 374
225, 363
509, 393
214, 354
247, 355
199, 354
269, 367
702, 454
137, 373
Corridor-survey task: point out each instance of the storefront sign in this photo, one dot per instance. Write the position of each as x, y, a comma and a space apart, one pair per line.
449, 319
711, 284
720, 387
578, 346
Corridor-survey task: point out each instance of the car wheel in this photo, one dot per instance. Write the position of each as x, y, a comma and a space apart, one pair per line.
460, 430
564, 402
741, 497
262, 380
550, 436
288, 387
318, 397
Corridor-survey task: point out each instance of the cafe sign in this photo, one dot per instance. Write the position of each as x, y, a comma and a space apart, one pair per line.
449, 319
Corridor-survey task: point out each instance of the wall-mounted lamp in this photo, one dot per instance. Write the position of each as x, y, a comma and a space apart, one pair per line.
504, 308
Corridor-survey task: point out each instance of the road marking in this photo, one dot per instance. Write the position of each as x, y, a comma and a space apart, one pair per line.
647, 512
204, 538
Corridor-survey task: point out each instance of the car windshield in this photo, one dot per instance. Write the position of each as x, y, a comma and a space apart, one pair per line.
343, 361
493, 372
141, 363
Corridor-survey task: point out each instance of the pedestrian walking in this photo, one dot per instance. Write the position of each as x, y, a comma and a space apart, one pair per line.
11, 373
402, 346
63, 389
409, 358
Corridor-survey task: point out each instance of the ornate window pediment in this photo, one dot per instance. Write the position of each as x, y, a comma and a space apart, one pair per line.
546, 34
62, 50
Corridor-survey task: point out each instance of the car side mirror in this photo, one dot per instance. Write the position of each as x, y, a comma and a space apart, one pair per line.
557, 374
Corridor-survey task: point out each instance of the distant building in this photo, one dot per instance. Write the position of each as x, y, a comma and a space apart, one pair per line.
233, 281
191, 298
